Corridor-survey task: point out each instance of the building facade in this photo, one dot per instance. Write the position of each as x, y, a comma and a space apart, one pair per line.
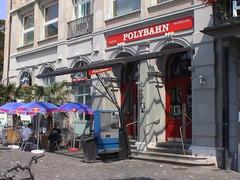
159, 95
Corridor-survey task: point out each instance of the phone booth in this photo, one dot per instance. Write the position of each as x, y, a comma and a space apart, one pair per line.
106, 130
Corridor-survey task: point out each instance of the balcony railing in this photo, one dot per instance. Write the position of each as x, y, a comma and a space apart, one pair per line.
226, 11
80, 26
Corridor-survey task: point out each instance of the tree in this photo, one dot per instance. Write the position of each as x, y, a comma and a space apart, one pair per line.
8, 93
57, 93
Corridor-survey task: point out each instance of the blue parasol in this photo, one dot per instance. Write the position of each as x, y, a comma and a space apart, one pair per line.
11, 107
75, 107
38, 108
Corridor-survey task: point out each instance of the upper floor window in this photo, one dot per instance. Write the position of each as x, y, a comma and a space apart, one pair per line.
51, 20
48, 80
122, 7
155, 2
28, 29
83, 8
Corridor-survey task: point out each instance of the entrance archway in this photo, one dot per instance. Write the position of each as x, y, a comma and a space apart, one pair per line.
128, 89
178, 97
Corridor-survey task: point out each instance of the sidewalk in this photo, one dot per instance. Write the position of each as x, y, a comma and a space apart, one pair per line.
63, 167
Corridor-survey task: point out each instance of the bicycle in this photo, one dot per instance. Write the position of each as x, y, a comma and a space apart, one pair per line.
8, 175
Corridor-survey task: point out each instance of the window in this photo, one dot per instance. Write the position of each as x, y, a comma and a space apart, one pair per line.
81, 90
48, 80
28, 29
155, 2
51, 20
121, 7
25, 79
83, 8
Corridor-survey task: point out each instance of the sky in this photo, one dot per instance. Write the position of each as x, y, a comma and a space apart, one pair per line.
3, 9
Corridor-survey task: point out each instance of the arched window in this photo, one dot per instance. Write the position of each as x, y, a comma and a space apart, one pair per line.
179, 64
81, 89
25, 79
48, 80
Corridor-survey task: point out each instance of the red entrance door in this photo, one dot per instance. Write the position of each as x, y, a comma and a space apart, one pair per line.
129, 105
178, 108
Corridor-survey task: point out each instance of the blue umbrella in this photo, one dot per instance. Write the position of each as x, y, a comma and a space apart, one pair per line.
75, 107
37, 107
11, 107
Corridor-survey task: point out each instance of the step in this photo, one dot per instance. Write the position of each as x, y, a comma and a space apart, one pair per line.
174, 145
132, 141
133, 146
172, 160
168, 150
170, 155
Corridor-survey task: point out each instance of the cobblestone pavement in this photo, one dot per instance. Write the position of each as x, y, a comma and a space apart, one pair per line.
64, 167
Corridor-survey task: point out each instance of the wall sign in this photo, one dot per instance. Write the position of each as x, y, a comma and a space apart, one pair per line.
151, 31
97, 71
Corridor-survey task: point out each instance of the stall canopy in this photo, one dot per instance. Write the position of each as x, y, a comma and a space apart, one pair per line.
113, 62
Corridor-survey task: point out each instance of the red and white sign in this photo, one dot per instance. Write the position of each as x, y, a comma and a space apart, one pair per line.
97, 71
151, 31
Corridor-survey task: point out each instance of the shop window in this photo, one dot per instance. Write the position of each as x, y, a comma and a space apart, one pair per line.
48, 80
122, 7
28, 29
51, 20
81, 90
25, 79
83, 8
176, 98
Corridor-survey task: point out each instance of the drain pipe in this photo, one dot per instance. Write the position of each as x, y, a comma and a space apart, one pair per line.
9, 46
225, 110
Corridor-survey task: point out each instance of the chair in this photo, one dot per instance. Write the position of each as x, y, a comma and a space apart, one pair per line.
26, 144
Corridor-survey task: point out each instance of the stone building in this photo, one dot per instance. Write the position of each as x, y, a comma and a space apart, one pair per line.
150, 55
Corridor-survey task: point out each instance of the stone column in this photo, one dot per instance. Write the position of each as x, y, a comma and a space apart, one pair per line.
142, 92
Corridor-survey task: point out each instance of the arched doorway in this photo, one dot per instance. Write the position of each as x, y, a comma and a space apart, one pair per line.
128, 89
178, 97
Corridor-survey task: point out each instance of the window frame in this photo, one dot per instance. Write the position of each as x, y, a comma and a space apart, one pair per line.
52, 21
111, 11
47, 80
79, 3
25, 31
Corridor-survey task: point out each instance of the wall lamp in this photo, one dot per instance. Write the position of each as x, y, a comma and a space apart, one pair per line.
202, 80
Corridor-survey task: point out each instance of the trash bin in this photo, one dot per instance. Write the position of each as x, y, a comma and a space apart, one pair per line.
89, 148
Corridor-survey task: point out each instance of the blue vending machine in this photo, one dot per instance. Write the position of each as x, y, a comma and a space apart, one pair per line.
106, 130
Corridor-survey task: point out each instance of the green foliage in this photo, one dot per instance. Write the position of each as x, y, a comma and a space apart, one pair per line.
56, 93
8, 93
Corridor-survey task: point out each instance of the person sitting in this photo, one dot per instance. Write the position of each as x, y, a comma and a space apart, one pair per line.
55, 138
26, 132
26, 135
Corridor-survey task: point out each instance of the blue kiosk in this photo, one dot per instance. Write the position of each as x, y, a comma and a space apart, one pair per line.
106, 131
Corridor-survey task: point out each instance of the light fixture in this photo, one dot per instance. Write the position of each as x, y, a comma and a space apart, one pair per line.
202, 80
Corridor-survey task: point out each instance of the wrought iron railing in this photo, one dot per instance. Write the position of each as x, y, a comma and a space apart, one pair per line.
226, 11
81, 26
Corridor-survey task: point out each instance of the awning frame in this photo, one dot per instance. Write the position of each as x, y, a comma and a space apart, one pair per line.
114, 62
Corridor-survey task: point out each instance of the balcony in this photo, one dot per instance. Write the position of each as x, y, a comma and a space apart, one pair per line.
81, 26
226, 12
